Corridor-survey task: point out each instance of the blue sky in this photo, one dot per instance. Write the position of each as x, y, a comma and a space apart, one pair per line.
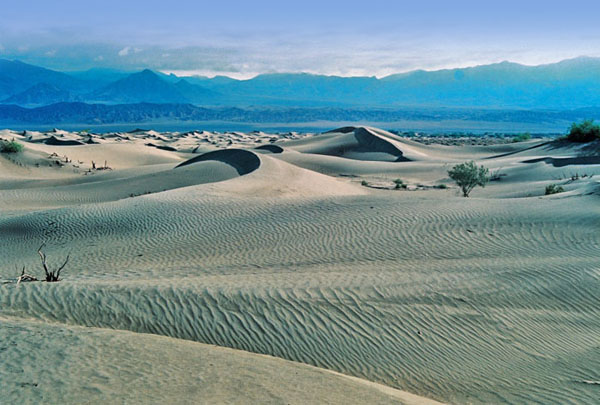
331, 37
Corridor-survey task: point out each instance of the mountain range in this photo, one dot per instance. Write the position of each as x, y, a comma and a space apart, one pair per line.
570, 84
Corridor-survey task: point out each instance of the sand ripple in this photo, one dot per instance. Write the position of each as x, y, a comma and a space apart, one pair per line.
413, 309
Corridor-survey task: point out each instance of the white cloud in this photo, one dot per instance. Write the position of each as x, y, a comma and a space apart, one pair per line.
99, 58
125, 51
128, 50
51, 53
211, 73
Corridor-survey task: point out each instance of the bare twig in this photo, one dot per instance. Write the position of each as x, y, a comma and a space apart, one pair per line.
62, 267
51, 276
43, 257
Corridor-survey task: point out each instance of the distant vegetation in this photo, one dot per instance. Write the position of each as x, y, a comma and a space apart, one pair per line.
586, 131
10, 147
468, 175
522, 137
553, 189
399, 184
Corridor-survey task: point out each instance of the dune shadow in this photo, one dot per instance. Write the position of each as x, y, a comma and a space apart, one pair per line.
561, 162
342, 130
54, 141
270, 148
242, 160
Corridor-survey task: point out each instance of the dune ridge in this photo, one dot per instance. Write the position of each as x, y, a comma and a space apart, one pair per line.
490, 299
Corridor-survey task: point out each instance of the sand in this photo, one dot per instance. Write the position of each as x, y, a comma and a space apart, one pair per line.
259, 268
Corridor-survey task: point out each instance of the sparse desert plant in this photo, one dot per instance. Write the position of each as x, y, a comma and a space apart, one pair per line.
468, 175
496, 175
442, 186
399, 183
586, 131
10, 147
522, 137
364, 183
554, 189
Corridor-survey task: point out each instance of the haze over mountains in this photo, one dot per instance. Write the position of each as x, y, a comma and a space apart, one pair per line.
568, 85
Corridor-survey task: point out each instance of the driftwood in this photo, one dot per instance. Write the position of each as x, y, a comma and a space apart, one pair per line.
51, 276
24, 277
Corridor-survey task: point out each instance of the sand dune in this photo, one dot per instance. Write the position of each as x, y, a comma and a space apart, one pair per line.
242, 160
361, 143
280, 250
77, 366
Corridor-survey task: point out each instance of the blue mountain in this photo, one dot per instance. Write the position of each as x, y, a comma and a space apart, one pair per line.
40, 94
16, 77
569, 84
143, 87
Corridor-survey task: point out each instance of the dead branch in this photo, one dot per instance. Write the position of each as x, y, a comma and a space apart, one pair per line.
25, 277
51, 276
43, 257
62, 267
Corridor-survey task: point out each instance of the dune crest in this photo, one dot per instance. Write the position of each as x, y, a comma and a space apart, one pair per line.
242, 160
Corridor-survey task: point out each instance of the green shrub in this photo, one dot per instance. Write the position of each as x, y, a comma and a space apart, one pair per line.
399, 184
554, 189
364, 183
442, 186
586, 131
467, 175
522, 137
10, 147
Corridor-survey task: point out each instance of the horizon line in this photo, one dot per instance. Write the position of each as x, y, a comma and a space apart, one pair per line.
249, 76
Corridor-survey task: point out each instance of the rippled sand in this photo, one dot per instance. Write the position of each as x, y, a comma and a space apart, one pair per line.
280, 250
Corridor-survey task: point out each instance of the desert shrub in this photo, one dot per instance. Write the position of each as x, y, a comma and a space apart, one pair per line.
364, 183
10, 147
497, 175
442, 186
399, 184
586, 131
522, 137
553, 189
468, 175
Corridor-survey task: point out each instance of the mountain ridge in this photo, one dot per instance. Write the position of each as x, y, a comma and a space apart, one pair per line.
568, 84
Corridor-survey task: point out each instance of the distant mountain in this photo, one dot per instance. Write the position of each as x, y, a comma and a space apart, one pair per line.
100, 77
40, 94
97, 114
566, 85
211, 82
16, 77
303, 89
196, 94
143, 87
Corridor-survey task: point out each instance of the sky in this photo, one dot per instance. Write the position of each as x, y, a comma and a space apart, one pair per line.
245, 38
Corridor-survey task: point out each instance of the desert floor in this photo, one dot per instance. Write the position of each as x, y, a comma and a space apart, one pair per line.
259, 268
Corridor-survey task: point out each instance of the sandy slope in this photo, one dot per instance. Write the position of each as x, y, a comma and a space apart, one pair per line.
279, 250
79, 365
